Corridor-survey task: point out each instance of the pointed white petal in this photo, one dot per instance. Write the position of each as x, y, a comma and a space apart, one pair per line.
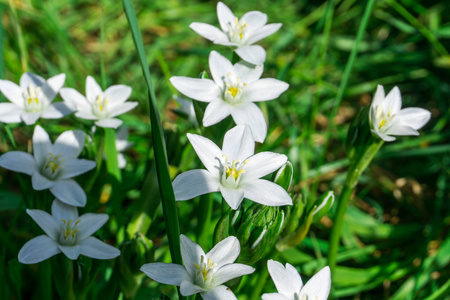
42, 145
193, 183
216, 111
40, 182
414, 117
50, 226
27, 78
203, 90
250, 114
72, 252
30, 118
233, 197
187, 288
225, 16
63, 211
191, 253
231, 271
93, 90
208, 152
18, 161
263, 32
255, 20
209, 32
94, 248
261, 164
238, 143
122, 108
287, 280
117, 94
51, 88
38, 249
266, 192
378, 97
254, 54
397, 128
74, 99
225, 252
109, 123
318, 287
264, 89
90, 223
393, 101
70, 144
274, 296
10, 113
75, 167
383, 136
69, 191
219, 292
247, 72
220, 68
172, 274
56, 110
12, 92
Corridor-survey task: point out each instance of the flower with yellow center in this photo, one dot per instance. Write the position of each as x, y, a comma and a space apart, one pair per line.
234, 171
388, 119
202, 273
32, 100
66, 232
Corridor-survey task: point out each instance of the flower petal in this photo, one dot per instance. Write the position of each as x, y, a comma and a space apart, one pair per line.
233, 197
225, 16
274, 296
193, 183
261, 164
238, 143
118, 93
72, 252
18, 161
191, 253
263, 32
70, 144
208, 152
264, 89
266, 192
230, 271
74, 99
209, 32
93, 90
254, 20
109, 123
254, 54
10, 113
12, 92
318, 287
219, 292
225, 252
40, 182
30, 118
94, 248
216, 111
393, 101
42, 145
50, 226
56, 110
29, 78
69, 191
287, 280
414, 117
220, 68
247, 72
250, 114
63, 211
52, 86
172, 274
187, 288
75, 167
122, 108
90, 223
396, 128
199, 89
383, 136
38, 249
378, 97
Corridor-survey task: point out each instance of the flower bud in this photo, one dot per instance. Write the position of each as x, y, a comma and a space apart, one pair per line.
359, 134
322, 206
284, 176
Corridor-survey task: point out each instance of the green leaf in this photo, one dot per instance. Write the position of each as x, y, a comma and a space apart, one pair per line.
111, 154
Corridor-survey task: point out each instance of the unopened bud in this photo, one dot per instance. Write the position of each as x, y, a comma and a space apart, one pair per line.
322, 206
284, 176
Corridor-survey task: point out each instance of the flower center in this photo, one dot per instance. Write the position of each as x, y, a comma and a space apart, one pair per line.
31, 96
204, 273
99, 106
51, 167
69, 232
231, 172
234, 89
384, 119
237, 30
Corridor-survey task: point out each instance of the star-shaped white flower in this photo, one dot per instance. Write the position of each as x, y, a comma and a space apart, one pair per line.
32, 99
240, 34
290, 286
387, 118
53, 166
232, 92
202, 273
234, 171
68, 233
100, 106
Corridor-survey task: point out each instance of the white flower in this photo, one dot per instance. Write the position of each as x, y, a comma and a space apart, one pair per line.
239, 34
66, 233
187, 107
98, 105
32, 100
232, 92
290, 286
387, 118
234, 171
202, 273
53, 166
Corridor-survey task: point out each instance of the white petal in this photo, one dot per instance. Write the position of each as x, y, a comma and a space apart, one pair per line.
121, 161
74, 99
266, 192
70, 144
69, 191
191, 253
231, 271
75, 167
50, 226
414, 117
254, 54
38, 249
209, 32
187, 288
51, 88
250, 114
216, 111
255, 20
264, 89
86, 114
90, 223
233, 197
318, 287
247, 72
238, 143
109, 123
208, 152
261, 164
378, 97
93, 90
400, 129
393, 101
12, 92
72, 252
203, 90
27, 78
287, 280
172, 274
40, 182
94, 248
10, 113
122, 108
118, 93
383, 136
193, 183
220, 68
18, 161
225, 16
263, 32
225, 252
219, 292
274, 296
63, 211
56, 110
42, 145
30, 118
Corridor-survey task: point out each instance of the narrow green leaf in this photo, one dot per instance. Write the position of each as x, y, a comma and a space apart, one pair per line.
112, 164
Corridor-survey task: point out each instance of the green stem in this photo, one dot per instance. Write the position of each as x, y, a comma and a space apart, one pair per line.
68, 288
20, 39
204, 220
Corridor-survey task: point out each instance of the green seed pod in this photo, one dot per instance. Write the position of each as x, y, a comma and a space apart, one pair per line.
296, 213
322, 206
297, 236
284, 176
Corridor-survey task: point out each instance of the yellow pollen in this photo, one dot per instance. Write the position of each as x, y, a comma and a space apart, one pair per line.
382, 124
233, 91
